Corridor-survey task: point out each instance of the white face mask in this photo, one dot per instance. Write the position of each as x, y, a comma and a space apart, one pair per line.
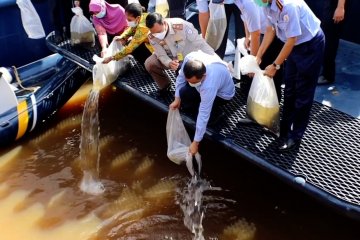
160, 35
132, 24
101, 14
195, 84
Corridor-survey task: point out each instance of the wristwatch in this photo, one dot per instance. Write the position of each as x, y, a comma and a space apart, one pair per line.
277, 66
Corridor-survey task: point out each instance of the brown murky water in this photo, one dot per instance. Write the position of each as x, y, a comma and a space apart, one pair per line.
40, 196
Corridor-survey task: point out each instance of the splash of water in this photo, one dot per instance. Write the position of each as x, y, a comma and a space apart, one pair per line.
192, 206
89, 146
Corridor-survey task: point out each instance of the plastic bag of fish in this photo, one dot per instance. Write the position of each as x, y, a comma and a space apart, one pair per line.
81, 30
262, 103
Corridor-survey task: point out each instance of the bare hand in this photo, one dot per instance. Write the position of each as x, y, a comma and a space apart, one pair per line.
175, 104
103, 52
107, 60
120, 40
258, 60
247, 43
339, 15
194, 148
174, 64
270, 71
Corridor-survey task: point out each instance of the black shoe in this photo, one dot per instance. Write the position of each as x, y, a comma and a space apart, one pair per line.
289, 145
245, 121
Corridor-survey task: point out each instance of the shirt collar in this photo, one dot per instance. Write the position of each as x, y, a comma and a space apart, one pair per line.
273, 6
171, 29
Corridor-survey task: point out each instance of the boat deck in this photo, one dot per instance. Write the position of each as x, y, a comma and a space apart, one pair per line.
326, 166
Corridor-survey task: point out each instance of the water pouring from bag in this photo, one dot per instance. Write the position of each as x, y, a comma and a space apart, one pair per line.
194, 164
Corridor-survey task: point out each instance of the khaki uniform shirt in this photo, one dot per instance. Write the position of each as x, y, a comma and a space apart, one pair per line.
181, 39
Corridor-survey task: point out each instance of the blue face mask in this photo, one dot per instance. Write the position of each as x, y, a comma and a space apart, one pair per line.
260, 3
101, 14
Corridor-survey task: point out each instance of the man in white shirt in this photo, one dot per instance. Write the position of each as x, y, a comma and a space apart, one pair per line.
203, 85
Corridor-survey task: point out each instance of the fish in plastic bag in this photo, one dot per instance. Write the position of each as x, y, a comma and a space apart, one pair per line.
262, 103
216, 26
81, 30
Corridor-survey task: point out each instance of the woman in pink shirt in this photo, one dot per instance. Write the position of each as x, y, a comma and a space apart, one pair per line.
107, 19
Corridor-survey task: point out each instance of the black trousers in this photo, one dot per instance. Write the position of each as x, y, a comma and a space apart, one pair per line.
231, 9
190, 102
332, 33
141, 53
301, 73
177, 8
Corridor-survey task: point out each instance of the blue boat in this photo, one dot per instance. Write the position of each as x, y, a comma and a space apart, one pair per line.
45, 86
43, 83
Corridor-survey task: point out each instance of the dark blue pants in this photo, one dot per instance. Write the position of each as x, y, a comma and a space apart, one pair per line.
190, 101
177, 8
324, 10
302, 69
332, 33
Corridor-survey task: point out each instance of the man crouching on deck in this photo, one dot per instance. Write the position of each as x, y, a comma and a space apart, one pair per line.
203, 85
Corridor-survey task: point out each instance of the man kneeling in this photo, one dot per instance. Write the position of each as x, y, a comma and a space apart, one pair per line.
203, 85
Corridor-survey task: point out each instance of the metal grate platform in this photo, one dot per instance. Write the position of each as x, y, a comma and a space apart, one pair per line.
328, 158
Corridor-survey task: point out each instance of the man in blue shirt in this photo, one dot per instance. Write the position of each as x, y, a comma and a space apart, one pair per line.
295, 24
203, 85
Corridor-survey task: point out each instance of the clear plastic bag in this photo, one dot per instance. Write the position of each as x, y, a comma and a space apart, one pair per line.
216, 26
105, 74
81, 30
239, 52
177, 137
262, 103
30, 19
179, 141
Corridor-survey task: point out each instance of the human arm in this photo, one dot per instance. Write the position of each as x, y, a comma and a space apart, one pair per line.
339, 13
130, 31
103, 39
267, 40
159, 51
139, 37
207, 96
204, 15
255, 42
284, 53
180, 83
252, 24
180, 80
